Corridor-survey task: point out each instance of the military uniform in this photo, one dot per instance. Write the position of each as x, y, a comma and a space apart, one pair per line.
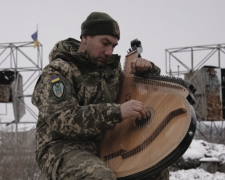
74, 113
76, 102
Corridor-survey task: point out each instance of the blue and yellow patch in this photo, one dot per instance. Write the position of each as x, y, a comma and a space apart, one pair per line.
58, 88
55, 79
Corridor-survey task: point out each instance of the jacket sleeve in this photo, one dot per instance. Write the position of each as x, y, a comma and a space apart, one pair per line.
155, 69
66, 116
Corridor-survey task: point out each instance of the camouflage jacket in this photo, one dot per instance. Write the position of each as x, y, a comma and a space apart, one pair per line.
76, 102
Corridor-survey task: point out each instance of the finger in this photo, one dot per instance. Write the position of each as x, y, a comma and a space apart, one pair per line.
146, 66
133, 65
143, 64
137, 64
140, 66
147, 112
131, 68
141, 111
139, 106
149, 65
137, 115
137, 103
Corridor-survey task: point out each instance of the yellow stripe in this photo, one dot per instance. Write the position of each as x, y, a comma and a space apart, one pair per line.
35, 43
54, 80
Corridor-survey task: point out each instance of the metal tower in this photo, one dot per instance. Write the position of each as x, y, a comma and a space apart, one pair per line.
20, 66
209, 80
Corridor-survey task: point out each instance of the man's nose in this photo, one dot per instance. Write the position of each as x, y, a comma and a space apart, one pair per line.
109, 51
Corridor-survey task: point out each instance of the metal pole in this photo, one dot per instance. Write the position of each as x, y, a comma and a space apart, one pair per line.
181, 62
178, 70
218, 55
16, 101
38, 55
170, 65
30, 83
41, 58
221, 133
16, 132
203, 91
166, 59
10, 55
192, 60
211, 132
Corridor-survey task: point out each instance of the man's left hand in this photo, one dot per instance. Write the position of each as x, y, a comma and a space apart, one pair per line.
140, 65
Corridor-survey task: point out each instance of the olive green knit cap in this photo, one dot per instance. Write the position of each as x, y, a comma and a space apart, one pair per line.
98, 23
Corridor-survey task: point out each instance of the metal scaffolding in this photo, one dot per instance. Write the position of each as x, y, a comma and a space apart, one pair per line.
21, 58
191, 65
171, 54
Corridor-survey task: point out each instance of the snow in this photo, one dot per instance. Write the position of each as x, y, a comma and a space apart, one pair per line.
201, 149
209, 160
198, 174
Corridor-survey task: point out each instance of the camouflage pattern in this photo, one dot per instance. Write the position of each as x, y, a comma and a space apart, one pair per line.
72, 126
155, 69
81, 164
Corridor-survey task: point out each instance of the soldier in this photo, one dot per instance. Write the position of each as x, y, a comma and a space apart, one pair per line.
75, 96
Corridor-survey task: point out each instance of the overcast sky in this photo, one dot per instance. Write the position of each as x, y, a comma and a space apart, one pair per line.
159, 24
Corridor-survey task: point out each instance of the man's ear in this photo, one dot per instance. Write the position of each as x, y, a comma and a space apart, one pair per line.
84, 39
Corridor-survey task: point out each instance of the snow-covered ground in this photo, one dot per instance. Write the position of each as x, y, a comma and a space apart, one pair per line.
198, 174
201, 149
197, 150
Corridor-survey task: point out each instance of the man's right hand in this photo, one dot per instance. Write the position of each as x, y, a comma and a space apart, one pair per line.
133, 108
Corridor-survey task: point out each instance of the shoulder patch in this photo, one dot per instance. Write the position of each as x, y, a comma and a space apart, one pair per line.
58, 89
54, 79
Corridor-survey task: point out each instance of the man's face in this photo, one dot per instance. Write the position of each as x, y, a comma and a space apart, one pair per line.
100, 47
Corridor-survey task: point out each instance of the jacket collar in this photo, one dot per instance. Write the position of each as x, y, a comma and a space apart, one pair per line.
67, 50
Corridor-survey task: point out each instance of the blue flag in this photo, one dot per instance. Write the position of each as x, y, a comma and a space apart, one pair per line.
35, 38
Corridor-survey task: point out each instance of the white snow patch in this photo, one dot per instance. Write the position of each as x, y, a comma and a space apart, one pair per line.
201, 149
209, 160
196, 150
198, 174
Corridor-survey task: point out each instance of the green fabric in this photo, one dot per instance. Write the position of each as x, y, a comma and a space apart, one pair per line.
83, 165
87, 110
98, 23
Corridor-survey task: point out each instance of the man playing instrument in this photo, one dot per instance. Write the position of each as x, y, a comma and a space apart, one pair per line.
76, 95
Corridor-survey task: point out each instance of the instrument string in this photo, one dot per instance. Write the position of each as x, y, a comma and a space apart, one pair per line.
130, 162
164, 110
132, 133
145, 121
140, 126
154, 119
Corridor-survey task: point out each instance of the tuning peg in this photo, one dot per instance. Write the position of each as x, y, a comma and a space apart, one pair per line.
136, 43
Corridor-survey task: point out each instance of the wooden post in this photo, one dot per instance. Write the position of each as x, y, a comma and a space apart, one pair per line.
210, 164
